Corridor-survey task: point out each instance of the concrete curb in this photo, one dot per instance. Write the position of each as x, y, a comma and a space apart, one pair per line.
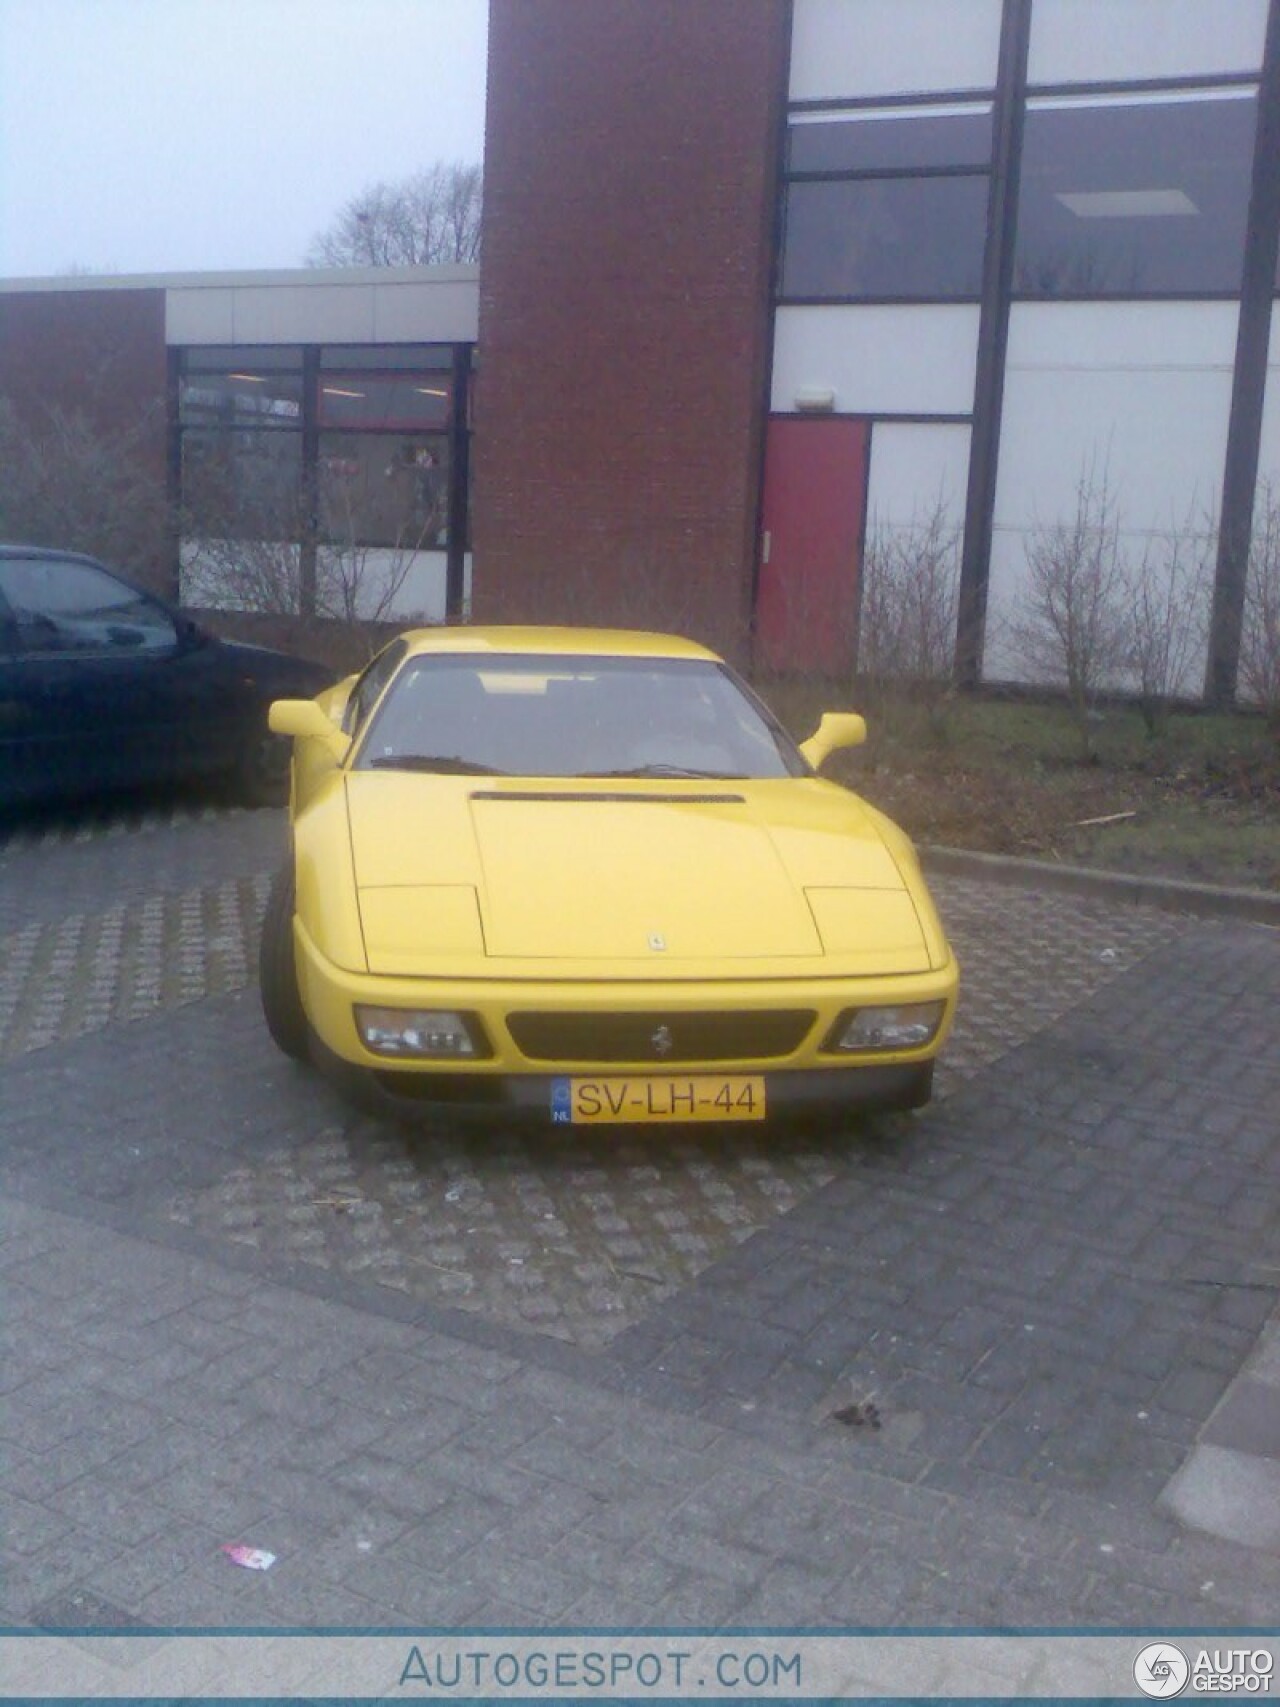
1207, 900
1230, 1484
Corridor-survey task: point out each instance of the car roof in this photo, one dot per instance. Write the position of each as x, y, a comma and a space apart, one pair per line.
15, 548
551, 641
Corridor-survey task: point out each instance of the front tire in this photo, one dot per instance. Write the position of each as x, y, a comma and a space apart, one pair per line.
278, 971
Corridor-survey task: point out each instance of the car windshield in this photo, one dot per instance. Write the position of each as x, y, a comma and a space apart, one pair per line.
575, 716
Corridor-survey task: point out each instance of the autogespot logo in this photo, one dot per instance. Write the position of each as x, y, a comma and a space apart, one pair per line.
1161, 1670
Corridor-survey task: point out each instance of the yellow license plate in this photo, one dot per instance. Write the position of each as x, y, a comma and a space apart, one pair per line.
581, 1102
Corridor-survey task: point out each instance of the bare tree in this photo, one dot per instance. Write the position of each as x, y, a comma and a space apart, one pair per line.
1169, 617
907, 622
67, 482
431, 218
357, 583
1074, 628
1260, 638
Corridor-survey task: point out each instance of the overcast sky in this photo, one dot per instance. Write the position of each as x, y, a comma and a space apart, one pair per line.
156, 136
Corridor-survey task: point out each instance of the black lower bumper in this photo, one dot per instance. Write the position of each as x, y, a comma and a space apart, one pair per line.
871, 1089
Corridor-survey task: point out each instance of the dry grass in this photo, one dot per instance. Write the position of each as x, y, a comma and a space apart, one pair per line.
1200, 801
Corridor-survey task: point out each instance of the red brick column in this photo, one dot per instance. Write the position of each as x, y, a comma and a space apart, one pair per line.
630, 189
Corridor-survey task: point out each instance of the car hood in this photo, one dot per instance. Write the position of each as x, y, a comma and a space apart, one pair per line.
655, 879
280, 672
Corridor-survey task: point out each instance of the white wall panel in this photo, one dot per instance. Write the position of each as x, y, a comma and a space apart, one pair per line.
447, 312
916, 467
1136, 393
200, 316
367, 306
1269, 450
1269, 447
846, 48
877, 360
420, 596
1094, 41
304, 314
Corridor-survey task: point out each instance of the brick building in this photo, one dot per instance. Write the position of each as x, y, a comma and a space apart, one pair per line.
766, 282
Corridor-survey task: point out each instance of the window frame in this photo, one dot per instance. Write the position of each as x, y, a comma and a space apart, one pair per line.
966, 104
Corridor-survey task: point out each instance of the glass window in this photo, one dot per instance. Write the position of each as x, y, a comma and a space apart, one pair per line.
1134, 196
60, 606
367, 691
248, 387
887, 139
386, 490
887, 204
910, 239
574, 716
242, 485
392, 357
365, 401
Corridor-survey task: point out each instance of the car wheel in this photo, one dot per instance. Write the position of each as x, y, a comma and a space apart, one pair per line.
278, 971
261, 775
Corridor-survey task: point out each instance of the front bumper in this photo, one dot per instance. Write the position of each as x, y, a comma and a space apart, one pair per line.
804, 1075
864, 1089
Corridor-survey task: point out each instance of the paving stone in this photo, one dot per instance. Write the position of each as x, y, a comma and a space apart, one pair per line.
1104, 1171
1229, 1493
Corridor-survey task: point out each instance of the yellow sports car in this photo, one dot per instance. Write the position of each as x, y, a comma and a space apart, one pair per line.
588, 873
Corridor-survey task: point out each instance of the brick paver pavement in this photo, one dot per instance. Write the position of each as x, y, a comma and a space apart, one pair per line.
1026, 1302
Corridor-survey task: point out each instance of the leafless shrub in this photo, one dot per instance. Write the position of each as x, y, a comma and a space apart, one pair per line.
242, 556
222, 572
1074, 628
1260, 636
67, 482
907, 625
1168, 594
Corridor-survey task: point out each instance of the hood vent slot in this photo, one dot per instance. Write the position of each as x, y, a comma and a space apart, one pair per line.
618, 798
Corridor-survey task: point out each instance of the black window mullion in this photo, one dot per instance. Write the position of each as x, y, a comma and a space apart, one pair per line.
1248, 388
307, 545
872, 173
459, 479
993, 339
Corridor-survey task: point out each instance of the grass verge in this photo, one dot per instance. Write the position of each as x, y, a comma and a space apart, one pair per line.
1199, 800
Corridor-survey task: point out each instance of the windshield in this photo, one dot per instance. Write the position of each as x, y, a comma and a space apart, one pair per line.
575, 716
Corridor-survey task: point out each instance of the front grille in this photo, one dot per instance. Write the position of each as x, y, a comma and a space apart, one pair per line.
663, 1038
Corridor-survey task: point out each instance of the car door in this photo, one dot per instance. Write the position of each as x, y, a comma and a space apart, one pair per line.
89, 695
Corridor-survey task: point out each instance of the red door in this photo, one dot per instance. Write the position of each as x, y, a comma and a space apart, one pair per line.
815, 489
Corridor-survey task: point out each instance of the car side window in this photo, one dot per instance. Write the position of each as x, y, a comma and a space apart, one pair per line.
368, 690
60, 607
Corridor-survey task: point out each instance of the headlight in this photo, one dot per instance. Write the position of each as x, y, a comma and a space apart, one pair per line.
886, 1028
433, 1033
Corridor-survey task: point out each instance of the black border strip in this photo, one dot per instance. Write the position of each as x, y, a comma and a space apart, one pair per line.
876, 417
860, 174
1189, 83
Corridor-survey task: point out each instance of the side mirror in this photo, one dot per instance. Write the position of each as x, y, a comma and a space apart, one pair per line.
307, 721
837, 729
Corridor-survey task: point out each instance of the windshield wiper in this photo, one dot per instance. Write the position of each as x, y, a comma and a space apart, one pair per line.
442, 764
667, 770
